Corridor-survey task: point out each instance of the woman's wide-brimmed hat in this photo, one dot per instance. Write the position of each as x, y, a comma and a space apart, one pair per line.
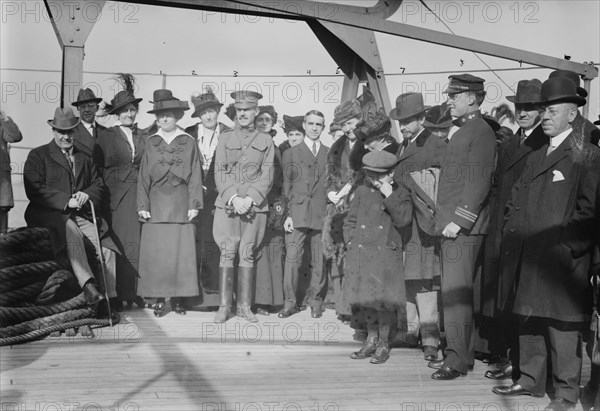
438, 117
408, 105
203, 101
560, 90
164, 101
377, 126
64, 119
122, 98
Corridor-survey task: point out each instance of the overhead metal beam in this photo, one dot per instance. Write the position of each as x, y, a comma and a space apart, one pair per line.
72, 28
372, 19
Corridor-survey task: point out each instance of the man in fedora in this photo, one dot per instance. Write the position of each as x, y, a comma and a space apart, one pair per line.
60, 183
207, 133
591, 133
87, 131
243, 176
304, 168
419, 150
546, 250
512, 157
462, 217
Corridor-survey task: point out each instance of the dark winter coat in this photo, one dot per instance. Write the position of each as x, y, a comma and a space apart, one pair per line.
83, 141
9, 133
373, 273
49, 184
548, 235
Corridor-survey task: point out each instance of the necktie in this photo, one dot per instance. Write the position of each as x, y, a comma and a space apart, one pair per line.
550, 149
523, 136
68, 157
314, 149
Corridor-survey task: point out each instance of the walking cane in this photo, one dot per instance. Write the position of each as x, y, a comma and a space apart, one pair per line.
101, 262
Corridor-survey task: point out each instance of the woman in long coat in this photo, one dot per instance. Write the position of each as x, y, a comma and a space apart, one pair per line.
9, 133
269, 264
117, 155
169, 197
373, 273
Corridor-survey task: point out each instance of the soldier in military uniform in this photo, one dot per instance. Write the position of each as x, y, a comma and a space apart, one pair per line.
462, 217
243, 176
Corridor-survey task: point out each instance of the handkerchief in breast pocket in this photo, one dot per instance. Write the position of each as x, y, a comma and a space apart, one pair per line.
557, 176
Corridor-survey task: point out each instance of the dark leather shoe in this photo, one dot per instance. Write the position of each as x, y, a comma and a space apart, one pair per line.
436, 365
430, 353
262, 311
367, 350
559, 404
301, 307
288, 311
91, 294
502, 373
513, 390
159, 309
316, 312
382, 353
446, 373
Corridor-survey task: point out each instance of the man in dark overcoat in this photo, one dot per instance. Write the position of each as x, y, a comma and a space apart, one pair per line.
546, 251
462, 217
497, 328
419, 150
207, 133
88, 130
304, 168
244, 175
60, 183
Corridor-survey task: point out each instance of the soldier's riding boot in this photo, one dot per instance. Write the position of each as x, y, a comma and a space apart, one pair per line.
225, 293
246, 279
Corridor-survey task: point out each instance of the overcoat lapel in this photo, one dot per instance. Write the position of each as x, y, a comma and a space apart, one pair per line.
554, 157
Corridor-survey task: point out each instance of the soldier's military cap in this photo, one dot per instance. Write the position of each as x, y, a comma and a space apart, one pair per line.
379, 161
246, 98
460, 83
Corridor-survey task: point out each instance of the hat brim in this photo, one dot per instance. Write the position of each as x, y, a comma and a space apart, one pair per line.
245, 105
51, 123
379, 169
582, 92
204, 106
580, 101
174, 105
396, 115
445, 124
117, 108
96, 100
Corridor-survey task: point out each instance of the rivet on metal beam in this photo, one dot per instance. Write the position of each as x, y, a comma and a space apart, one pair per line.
375, 54
77, 29
71, 41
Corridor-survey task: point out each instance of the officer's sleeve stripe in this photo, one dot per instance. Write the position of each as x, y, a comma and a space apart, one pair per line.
465, 214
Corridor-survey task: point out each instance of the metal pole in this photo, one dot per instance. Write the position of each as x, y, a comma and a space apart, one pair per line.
102, 263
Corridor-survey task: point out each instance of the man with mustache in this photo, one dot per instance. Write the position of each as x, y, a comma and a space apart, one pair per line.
87, 131
243, 176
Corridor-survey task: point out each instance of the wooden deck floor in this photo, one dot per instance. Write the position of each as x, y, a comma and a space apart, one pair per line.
190, 363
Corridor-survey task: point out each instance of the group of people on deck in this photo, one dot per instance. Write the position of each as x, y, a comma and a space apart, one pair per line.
463, 237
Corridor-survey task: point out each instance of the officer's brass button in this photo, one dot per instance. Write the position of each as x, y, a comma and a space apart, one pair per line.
362, 226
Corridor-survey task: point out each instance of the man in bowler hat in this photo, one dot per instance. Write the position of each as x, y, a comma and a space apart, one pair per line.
546, 249
60, 183
462, 217
87, 131
512, 157
243, 176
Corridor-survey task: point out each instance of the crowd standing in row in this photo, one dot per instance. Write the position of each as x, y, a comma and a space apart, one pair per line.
462, 217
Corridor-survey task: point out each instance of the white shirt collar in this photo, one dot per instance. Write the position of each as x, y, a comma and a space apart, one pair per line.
557, 140
309, 143
528, 132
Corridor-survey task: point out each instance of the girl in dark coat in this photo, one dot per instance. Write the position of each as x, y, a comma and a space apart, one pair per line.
117, 155
374, 276
169, 197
